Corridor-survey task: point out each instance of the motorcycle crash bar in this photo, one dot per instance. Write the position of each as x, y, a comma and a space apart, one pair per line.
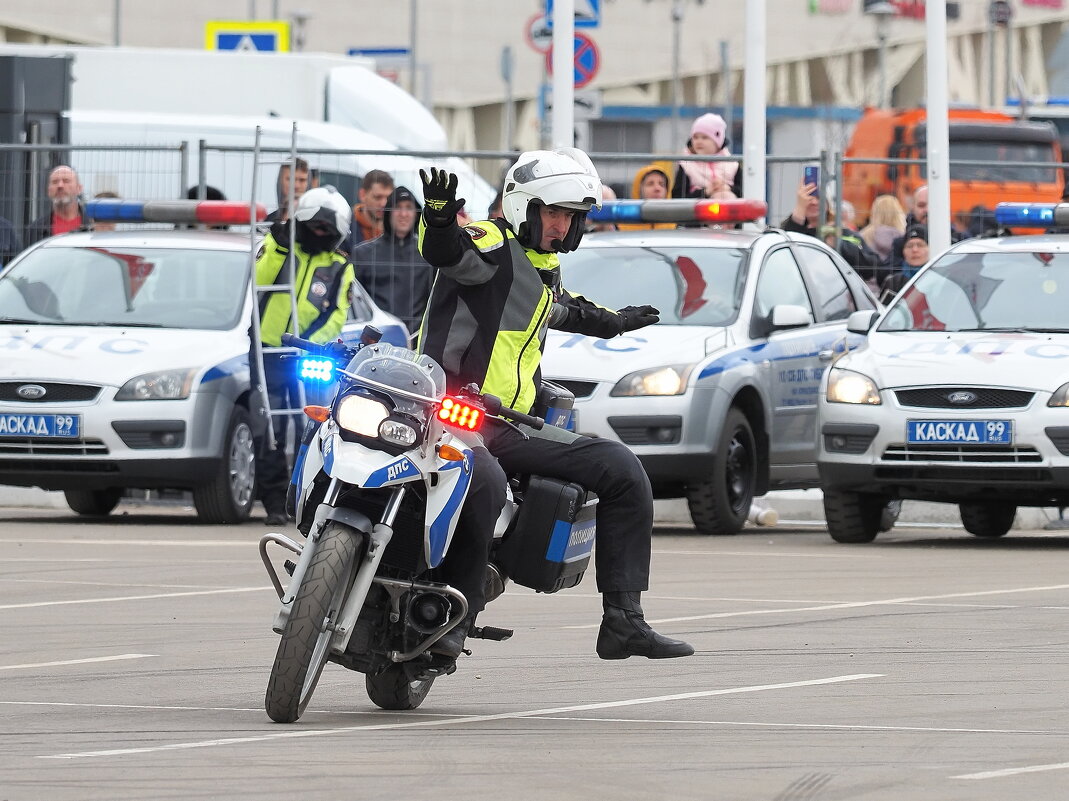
679, 211
207, 212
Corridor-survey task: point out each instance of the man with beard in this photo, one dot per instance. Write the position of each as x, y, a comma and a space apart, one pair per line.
65, 214
322, 279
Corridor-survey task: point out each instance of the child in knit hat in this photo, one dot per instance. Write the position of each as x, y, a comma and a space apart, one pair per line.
717, 180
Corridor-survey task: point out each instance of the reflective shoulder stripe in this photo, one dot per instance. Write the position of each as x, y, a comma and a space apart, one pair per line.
486, 235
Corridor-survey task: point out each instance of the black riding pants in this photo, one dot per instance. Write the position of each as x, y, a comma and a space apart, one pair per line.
609, 468
464, 566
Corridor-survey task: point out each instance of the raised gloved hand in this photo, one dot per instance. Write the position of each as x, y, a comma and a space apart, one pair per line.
280, 232
440, 196
637, 317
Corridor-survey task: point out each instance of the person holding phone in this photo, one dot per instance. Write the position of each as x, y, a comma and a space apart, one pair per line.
804, 219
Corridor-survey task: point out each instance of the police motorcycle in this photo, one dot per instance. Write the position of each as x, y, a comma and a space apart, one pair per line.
380, 477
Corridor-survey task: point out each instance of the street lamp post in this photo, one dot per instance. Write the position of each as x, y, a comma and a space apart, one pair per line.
882, 12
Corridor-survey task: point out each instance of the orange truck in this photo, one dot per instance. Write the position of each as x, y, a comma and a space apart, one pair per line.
1012, 159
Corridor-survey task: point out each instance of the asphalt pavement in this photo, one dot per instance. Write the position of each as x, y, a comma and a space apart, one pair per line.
930, 664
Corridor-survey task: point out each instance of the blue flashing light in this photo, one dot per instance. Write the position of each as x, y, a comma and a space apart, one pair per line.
629, 211
1031, 215
313, 369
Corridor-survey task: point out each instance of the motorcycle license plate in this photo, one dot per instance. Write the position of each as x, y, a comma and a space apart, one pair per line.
51, 426
959, 432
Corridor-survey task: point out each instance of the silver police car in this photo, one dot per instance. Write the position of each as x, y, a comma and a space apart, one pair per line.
718, 400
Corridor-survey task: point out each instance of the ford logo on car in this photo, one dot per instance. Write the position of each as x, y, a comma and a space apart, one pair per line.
961, 398
31, 391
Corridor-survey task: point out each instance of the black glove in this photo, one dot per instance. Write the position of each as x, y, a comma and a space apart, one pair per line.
440, 196
280, 231
637, 317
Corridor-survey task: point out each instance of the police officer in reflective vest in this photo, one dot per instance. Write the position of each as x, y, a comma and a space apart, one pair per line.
497, 291
323, 277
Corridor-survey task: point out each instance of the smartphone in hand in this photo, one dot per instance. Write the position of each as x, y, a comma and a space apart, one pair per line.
811, 175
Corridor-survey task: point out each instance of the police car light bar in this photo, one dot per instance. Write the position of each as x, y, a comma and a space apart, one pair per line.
208, 212
678, 211
1032, 215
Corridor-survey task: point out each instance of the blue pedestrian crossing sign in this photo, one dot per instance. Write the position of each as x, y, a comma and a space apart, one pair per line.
257, 35
587, 13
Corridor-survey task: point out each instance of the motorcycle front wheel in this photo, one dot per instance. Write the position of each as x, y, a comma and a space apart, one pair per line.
305, 644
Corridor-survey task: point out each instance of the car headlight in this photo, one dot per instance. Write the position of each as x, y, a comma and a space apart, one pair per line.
361, 415
164, 385
846, 386
671, 380
1060, 396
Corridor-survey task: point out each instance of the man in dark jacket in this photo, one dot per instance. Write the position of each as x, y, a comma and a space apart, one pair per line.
390, 267
65, 212
848, 242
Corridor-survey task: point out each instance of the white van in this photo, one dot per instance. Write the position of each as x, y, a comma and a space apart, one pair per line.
341, 155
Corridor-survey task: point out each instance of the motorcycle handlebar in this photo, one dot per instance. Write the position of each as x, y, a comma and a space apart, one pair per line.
294, 341
493, 406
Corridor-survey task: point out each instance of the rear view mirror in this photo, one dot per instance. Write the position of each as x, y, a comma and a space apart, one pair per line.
786, 315
861, 321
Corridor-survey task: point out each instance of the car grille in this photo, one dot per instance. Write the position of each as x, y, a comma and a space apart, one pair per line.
581, 389
993, 476
959, 454
986, 398
54, 392
35, 446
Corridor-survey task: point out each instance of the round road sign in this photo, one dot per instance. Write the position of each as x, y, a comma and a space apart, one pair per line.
586, 60
539, 34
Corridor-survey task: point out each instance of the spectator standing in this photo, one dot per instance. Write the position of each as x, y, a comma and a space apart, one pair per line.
848, 243
918, 215
301, 180
66, 212
390, 266
887, 222
718, 180
369, 213
322, 280
915, 254
652, 182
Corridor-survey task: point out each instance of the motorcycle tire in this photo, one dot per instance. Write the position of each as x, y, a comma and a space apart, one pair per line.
306, 637
394, 690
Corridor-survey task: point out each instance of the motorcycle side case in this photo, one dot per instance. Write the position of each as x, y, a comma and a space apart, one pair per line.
547, 547
554, 403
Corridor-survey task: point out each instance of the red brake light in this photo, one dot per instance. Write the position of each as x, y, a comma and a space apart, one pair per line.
457, 413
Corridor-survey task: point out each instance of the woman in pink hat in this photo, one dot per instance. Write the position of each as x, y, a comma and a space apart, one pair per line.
718, 180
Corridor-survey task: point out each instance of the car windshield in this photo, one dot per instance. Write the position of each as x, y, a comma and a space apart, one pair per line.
126, 286
986, 292
690, 286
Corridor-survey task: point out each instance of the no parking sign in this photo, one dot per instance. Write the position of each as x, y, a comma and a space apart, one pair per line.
586, 60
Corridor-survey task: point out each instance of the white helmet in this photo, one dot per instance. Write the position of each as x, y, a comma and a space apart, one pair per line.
564, 177
325, 204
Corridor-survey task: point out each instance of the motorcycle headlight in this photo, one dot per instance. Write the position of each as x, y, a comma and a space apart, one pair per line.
359, 414
671, 380
164, 385
397, 432
846, 386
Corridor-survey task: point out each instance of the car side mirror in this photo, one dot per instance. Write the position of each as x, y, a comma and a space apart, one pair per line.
860, 322
787, 315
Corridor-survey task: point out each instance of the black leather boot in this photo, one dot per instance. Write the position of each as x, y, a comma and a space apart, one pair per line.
625, 632
451, 645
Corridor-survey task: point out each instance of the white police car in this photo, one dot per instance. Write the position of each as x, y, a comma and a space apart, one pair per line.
960, 392
718, 400
124, 360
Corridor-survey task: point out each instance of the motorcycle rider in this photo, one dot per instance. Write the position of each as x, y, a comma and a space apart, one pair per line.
323, 278
496, 292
